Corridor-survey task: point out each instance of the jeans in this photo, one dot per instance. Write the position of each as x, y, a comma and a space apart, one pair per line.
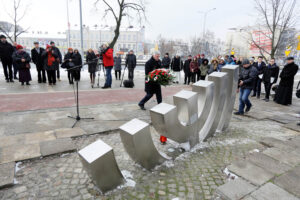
268, 87
130, 74
8, 74
149, 96
108, 81
244, 99
257, 87
118, 72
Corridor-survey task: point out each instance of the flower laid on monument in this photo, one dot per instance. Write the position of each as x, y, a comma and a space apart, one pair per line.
160, 76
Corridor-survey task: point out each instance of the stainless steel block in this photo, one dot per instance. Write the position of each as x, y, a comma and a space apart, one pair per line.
220, 80
99, 161
178, 122
233, 76
137, 140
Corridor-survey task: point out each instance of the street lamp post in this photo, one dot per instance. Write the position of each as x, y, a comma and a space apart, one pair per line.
81, 30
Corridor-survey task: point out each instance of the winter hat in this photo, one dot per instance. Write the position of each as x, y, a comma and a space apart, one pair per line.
202, 55
36, 42
70, 49
48, 46
19, 47
245, 62
52, 42
2, 36
290, 58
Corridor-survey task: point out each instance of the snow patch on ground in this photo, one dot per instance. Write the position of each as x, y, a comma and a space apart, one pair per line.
230, 176
18, 168
254, 151
129, 182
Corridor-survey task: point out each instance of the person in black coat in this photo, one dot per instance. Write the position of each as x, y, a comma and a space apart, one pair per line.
284, 92
118, 66
77, 62
6, 51
131, 64
176, 66
22, 59
92, 61
59, 59
50, 59
69, 63
166, 61
36, 56
187, 71
151, 88
245, 84
259, 65
270, 76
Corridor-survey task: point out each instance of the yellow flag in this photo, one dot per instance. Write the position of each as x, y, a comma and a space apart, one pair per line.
288, 51
156, 47
298, 47
232, 51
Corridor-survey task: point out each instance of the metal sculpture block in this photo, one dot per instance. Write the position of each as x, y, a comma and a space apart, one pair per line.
233, 76
178, 122
220, 80
99, 161
136, 138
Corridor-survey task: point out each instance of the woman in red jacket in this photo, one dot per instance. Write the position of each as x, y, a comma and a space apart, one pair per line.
108, 63
194, 69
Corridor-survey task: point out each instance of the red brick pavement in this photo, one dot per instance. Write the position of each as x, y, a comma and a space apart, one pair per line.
36, 101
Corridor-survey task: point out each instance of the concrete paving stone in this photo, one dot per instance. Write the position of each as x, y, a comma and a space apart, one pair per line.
248, 198
290, 181
235, 189
283, 118
57, 146
292, 126
280, 144
11, 140
38, 137
7, 173
289, 158
69, 132
250, 172
268, 163
270, 191
295, 141
19, 152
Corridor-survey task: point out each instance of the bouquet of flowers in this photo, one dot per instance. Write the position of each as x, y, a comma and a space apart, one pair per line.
160, 76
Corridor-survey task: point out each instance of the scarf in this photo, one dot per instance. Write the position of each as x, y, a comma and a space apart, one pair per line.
51, 58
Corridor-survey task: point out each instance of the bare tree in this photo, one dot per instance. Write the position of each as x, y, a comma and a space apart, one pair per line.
13, 30
275, 18
166, 46
121, 8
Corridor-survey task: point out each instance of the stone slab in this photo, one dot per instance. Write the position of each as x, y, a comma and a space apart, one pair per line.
250, 172
280, 144
57, 146
268, 163
295, 141
270, 191
293, 126
11, 140
289, 158
19, 152
69, 132
290, 181
7, 174
34, 138
235, 189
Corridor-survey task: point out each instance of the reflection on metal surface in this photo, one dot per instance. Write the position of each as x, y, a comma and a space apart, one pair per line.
178, 122
220, 80
233, 76
99, 161
136, 138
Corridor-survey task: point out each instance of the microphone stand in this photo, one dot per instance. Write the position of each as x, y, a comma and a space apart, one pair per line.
77, 118
123, 75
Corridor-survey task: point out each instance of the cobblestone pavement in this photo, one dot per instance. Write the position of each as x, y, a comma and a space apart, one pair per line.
191, 175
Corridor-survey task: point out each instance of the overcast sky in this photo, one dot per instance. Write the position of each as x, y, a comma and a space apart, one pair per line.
170, 18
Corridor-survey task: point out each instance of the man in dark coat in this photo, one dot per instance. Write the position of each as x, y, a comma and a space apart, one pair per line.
270, 76
187, 71
131, 64
36, 56
246, 79
59, 59
284, 91
151, 88
68, 64
259, 65
21, 58
166, 61
6, 51
118, 66
176, 66
50, 64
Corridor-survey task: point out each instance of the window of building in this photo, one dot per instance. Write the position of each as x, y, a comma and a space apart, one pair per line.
129, 37
129, 46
